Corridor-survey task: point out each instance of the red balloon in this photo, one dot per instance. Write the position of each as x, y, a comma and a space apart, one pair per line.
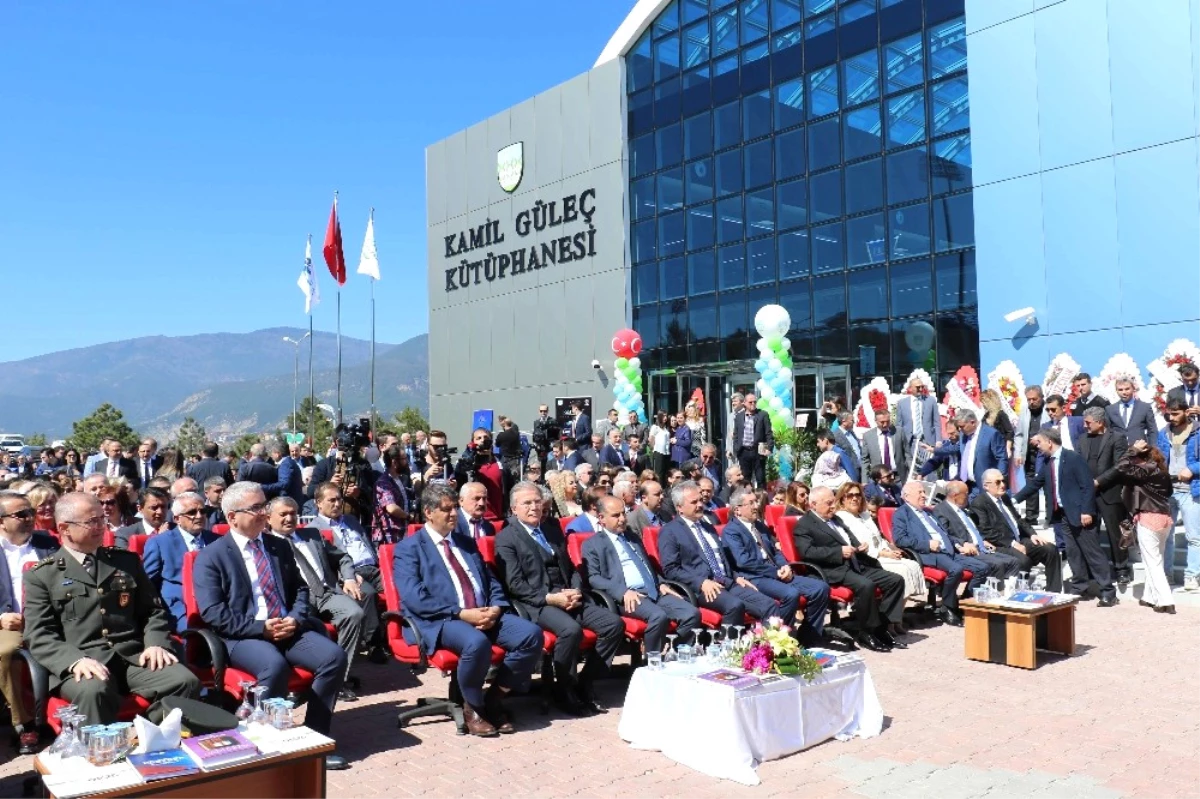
626, 343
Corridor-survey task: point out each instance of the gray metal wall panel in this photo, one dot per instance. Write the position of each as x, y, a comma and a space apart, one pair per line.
547, 142
499, 136
523, 128
576, 126
481, 165
456, 175
435, 183
607, 96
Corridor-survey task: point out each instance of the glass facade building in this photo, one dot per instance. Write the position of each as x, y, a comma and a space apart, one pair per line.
811, 153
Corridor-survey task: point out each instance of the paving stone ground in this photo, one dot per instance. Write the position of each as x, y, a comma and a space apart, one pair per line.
1119, 719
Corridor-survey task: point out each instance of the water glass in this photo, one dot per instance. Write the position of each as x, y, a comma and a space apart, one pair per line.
980, 594
102, 745
654, 661
86, 733
994, 584
126, 737
281, 716
685, 653
246, 708
65, 733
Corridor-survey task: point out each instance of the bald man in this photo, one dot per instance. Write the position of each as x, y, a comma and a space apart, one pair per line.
968, 538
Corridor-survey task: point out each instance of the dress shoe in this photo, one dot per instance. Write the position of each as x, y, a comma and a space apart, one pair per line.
1158, 609
949, 617
1145, 604
336, 763
587, 696
1108, 601
871, 642
838, 635
890, 640
377, 655
28, 740
569, 703
346, 695
493, 706
476, 724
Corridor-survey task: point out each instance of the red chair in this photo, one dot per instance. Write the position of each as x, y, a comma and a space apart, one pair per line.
722, 514
635, 629
413, 655
720, 528
110, 539
327, 535
772, 514
137, 543
885, 521
414, 528
565, 522
498, 525
934, 578
220, 529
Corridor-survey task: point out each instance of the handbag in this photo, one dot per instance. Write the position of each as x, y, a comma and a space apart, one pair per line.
1128, 534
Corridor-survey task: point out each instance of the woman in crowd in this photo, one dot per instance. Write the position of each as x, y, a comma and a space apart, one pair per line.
1147, 495
660, 445
995, 417
779, 497
852, 513
73, 463
112, 505
43, 498
796, 499
565, 491
695, 423
828, 471
389, 521
831, 410
64, 481
172, 465
681, 440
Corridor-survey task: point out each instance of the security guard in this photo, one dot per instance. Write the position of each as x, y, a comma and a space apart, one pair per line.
94, 620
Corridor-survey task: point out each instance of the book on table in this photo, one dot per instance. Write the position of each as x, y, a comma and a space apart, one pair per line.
220, 749
734, 679
1038, 598
163, 765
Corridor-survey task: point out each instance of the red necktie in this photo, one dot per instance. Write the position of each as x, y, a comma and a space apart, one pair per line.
460, 576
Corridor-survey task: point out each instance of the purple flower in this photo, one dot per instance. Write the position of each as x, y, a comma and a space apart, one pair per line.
758, 659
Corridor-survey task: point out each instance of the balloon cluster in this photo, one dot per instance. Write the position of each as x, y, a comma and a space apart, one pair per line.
627, 387
774, 365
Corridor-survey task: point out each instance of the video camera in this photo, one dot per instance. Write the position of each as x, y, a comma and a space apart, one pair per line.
442, 452
353, 436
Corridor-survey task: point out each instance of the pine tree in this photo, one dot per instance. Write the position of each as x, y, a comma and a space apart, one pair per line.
190, 437
36, 440
104, 422
242, 446
409, 420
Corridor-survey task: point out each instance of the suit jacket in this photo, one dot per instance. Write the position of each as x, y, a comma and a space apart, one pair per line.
1096, 401
873, 453
1180, 393
990, 453
684, 562
821, 546
426, 587
210, 467
849, 447
1141, 427
321, 474
155, 463
909, 532
581, 431
604, 572
572, 460
612, 456
290, 482
930, 424
1105, 449
637, 462
122, 535
335, 566
949, 520
164, 566
225, 595
581, 524
522, 566
1074, 427
462, 526
125, 468
261, 472
43, 547
745, 553
323, 523
762, 429
992, 523
589, 455
640, 520
1075, 487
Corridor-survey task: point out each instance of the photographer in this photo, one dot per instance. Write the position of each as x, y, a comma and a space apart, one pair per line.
477, 464
545, 432
347, 468
436, 466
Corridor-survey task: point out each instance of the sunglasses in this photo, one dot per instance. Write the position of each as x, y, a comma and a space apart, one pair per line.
27, 513
108, 502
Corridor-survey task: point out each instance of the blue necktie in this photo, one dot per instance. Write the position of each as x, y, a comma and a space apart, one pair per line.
1012, 525
541, 539
933, 527
970, 525
709, 555
647, 578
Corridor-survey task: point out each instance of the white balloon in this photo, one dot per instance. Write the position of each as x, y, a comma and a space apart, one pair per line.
764, 347
785, 373
777, 403
635, 362
774, 365
766, 392
772, 320
786, 343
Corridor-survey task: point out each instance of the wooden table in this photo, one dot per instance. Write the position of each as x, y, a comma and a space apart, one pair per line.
1012, 635
295, 774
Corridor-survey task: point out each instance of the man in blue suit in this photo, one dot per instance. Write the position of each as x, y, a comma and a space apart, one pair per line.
691, 553
163, 558
979, 448
1070, 428
472, 505
581, 426
1070, 493
290, 482
588, 521
452, 599
914, 528
1131, 416
612, 452
756, 556
252, 594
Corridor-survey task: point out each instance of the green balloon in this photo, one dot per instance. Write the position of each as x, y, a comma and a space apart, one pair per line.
622, 363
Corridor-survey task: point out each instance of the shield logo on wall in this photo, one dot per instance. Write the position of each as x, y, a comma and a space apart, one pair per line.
510, 165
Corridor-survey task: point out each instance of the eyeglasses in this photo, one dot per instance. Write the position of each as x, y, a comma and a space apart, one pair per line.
255, 509
95, 521
27, 513
108, 502
191, 513
854, 495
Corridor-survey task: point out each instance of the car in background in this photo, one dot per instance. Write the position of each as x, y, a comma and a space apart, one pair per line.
12, 443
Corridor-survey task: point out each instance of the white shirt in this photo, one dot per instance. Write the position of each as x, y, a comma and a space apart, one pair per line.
969, 455
189, 540
437, 539
1055, 462
1064, 429
16, 557
260, 601
1016, 528
660, 440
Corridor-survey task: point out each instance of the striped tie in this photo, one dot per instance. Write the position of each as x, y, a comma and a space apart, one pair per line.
266, 581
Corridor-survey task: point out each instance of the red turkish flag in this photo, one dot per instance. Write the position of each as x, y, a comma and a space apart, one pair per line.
335, 259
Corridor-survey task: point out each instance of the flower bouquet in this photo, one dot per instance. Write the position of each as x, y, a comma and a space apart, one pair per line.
1006, 380
768, 647
1164, 371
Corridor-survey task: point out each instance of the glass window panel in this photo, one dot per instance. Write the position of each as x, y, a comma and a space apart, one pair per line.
758, 163
792, 204
642, 202
645, 283
639, 66
641, 112
954, 222
825, 195
641, 154
956, 281
947, 48
760, 257
670, 190
702, 272
866, 238
906, 119
666, 101
756, 109
824, 144
645, 321
695, 45
864, 186
814, 7
643, 241
864, 132
789, 154
902, 63
670, 234
674, 325
731, 266
821, 25
702, 318
870, 347
756, 67
754, 20
827, 250
699, 181
789, 104
694, 10
669, 143
907, 175
697, 90
796, 298
760, 213
697, 135
860, 77
822, 92
729, 172
733, 319
906, 334
910, 230
868, 295
725, 31
951, 164
726, 85
728, 125
856, 10
958, 338
787, 40
701, 229
666, 57
950, 106
831, 342
672, 279
829, 301
667, 20
912, 291
793, 254
784, 13
730, 219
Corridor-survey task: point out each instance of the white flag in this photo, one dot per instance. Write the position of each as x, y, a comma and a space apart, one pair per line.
308, 280
368, 262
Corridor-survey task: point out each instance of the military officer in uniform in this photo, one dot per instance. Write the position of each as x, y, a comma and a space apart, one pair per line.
94, 620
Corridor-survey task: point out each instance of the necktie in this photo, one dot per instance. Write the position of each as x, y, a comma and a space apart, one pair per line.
145, 471
758, 539
477, 528
935, 530
647, 578
541, 539
89, 566
962, 463
1012, 524
266, 580
918, 424
460, 576
197, 543
1125, 414
970, 525
315, 583
112, 467
844, 534
887, 450
710, 556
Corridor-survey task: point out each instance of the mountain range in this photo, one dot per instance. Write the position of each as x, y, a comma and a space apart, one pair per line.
231, 383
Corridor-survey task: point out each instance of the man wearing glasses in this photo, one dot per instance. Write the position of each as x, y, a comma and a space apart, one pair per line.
94, 620
1012, 534
252, 594
165, 553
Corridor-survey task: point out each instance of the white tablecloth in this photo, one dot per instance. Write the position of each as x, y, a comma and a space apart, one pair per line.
726, 733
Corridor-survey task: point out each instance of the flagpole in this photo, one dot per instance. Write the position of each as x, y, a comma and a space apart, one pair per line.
339, 331
312, 407
373, 420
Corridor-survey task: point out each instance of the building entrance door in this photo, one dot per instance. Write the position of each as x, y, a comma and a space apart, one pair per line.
814, 385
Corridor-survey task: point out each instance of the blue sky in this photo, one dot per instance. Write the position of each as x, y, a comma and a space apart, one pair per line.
162, 163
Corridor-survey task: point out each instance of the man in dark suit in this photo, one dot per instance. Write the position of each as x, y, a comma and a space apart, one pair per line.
587, 522
710, 467
1071, 499
590, 453
153, 504
618, 567
210, 466
691, 553
257, 470
472, 505
541, 580
1189, 391
117, 465
711, 503
649, 512
1001, 526
1082, 385
979, 448
349, 536
571, 457
845, 437
882, 489
291, 480
883, 446
612, 452
821, 539
952, 515
756, 556
1101, 449
1130, 416
148, 460
22, 546
581, 426
164, 554
214, 488
635, 459
914, 528
454, 602
752, 435
251, 593
1070, 428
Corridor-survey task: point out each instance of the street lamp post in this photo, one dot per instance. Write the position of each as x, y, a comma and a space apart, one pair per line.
295, 375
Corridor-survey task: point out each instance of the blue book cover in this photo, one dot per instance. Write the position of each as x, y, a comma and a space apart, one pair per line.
163, 765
